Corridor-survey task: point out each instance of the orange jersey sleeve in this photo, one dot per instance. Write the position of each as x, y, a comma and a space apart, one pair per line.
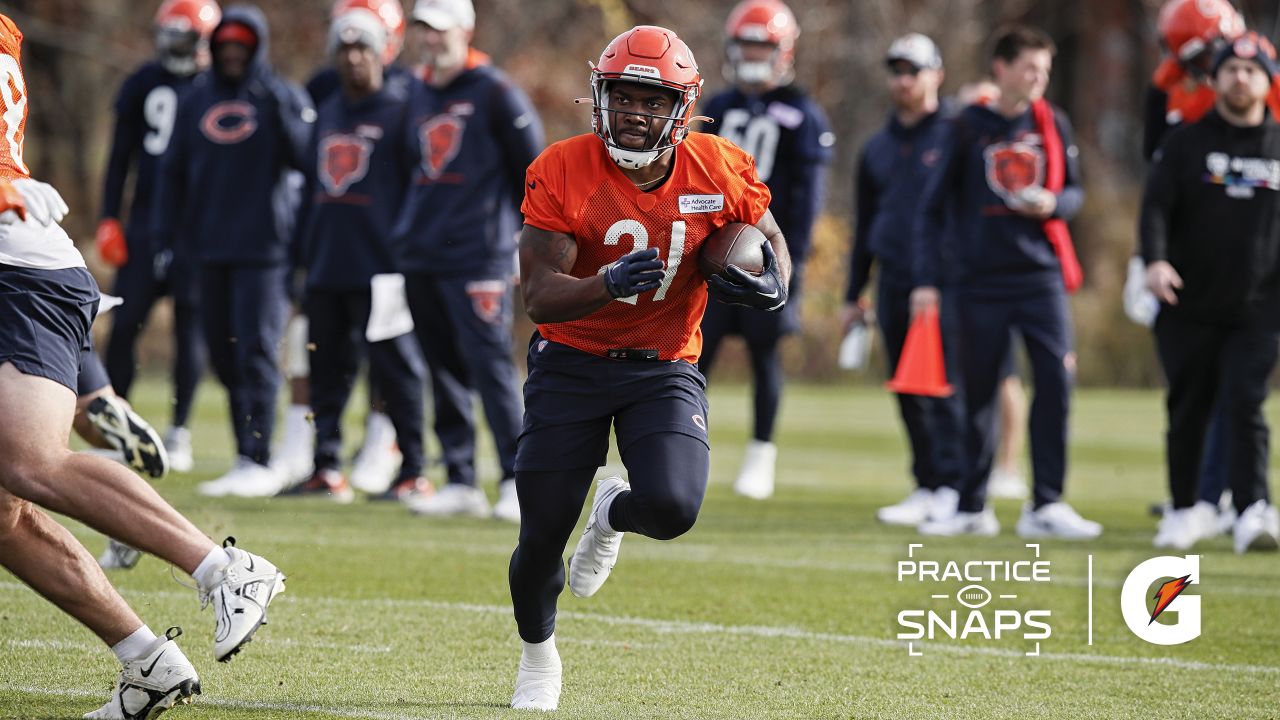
13, 102
575, 188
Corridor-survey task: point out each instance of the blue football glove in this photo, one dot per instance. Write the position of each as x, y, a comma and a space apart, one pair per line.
633, 274
763, 292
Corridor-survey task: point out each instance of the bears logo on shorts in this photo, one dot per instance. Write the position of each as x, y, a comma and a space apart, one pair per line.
1013, 167
440, 138
344, 161
229, 122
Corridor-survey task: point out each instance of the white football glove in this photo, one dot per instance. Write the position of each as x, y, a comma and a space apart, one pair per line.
44, 204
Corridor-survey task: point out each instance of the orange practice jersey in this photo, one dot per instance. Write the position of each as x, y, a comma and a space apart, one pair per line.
13, 102
573, 187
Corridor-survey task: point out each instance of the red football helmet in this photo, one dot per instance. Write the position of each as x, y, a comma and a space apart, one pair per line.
389, 12
652, 56
761, 21
182, 29
1193, 30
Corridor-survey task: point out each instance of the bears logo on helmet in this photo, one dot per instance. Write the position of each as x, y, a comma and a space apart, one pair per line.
648, 55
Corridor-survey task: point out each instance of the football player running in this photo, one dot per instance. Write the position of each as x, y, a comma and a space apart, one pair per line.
614, 222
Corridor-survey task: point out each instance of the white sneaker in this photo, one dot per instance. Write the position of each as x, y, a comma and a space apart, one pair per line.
981, 523
161, 678
759, 464
944, 504
246, 479
508, 505
1056, 520
1227, 514
452, 500
538, 679
378, 461
1005, 485
597, 551
118, 556
240, 599
1180, 529
1258, 528
177, 442
911, 511
294, 457
137, 441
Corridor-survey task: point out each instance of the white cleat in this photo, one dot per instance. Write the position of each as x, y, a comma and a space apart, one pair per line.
1005, 485
378, 461
294, 458
1180, 529
177, 442
452, 500
597, 551
247, 479
538, 680
508, 506
1258, 528
1056, 520
137, 441
944, 504
153, 683
982, 524
912, 511
240, 599
759, 466
118, 556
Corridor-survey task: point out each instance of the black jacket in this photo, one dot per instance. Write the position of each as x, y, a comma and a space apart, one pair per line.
1212, 209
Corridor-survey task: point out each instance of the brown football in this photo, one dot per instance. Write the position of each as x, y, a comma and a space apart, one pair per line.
734, 244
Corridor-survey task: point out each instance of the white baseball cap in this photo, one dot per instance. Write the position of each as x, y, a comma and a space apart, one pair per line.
916, 49
445, 14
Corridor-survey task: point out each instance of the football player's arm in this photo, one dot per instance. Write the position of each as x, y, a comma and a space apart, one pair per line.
110, 239
861, 258
1071, 199
1155, 123
941, 187
1159, 197
297, 121
551, 294
808, 188
519, 133
170, 194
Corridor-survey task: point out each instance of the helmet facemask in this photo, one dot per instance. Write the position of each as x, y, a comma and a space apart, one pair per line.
181, 51
776, 71
606, 119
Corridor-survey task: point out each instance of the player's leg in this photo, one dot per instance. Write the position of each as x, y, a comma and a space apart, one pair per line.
258, 310
396, 366
1248, 359
136, 284
1006, 476
1191, 356
1045, 326
215, 316
438, 338
945, 419
293, 456
1212, 488
763, 333
190, 356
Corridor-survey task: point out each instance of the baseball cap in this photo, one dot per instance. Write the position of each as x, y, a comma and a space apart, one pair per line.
1249, 46
358, 27
916, 49
445, 14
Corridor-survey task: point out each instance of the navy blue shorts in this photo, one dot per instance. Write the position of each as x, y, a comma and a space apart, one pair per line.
45, 316
571, 398
756, 327
93, 374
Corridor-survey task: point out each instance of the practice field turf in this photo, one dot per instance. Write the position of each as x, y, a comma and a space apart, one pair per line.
782, 609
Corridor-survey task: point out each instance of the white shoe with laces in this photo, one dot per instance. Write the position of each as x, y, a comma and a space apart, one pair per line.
1182, 528
538, 680
982, 524
151, 684
1005, 485
177, 442
240, 599
452, 500
597, 550
294, 458
246, 479
759, 467
118, 556
379, 459
1056, 520
912, 511
1258, 528
944, 503
508, 506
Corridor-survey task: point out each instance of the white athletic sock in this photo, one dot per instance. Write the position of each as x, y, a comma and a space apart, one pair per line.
132, 647
209, 571
538, 656
602, 518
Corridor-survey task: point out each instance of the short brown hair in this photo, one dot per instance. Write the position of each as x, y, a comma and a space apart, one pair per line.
1011, 40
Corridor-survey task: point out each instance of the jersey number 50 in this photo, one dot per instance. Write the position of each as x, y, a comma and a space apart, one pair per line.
640, 241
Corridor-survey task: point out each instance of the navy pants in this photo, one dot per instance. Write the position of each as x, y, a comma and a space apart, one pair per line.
136, 283
337, 321
1227, 365
935, 426
244, 309
464, 328
986, 331
658, 412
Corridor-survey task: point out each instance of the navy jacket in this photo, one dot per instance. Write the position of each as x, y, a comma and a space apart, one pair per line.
791, 141
994, 250
893, 169
228, 177
146, 109
355, 183
471, 143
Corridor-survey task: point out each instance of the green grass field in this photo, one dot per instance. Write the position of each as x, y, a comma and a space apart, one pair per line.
783, 609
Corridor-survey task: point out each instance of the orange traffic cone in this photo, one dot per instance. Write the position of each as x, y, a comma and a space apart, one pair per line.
921, 369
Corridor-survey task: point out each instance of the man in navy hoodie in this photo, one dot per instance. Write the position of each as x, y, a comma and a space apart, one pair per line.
228, 179
1007, 182
473, 135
